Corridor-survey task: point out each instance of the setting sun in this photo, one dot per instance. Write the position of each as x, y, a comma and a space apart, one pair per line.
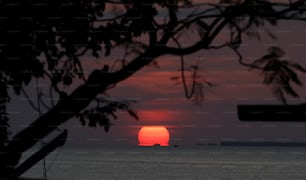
153, 135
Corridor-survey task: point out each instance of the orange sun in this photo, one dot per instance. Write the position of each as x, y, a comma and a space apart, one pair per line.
153, 135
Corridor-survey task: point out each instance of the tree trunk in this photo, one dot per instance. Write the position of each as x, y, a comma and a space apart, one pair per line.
67, 108
63, 111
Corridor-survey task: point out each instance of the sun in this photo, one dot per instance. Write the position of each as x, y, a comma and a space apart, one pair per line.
153, 136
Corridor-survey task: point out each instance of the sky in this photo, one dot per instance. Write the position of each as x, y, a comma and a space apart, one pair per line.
160, 101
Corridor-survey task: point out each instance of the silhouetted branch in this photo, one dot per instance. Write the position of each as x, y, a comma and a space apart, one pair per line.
240, 59
62, 42
188, 94
54, 85
29, 99
202, 44
42, 102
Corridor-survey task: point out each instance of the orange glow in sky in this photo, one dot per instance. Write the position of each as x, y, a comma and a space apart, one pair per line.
153, 135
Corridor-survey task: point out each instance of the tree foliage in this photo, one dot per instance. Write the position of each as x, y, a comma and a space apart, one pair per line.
279, 73
48, 39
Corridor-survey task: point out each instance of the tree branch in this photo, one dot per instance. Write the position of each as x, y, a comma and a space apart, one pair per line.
202, 44
69, 106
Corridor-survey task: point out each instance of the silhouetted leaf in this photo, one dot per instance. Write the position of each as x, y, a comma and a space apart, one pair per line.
113, 115
106, 128
277, 51
272, 36
37, 68
133, 114
279, 73
82, 120
289, 90
297, 67
27, 77
17, 89
67, 80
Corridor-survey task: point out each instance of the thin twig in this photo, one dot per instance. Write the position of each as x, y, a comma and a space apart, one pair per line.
29, 99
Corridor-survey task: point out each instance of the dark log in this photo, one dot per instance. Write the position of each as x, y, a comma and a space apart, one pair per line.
286, 113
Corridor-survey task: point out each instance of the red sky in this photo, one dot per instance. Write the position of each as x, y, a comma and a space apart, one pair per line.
161, 101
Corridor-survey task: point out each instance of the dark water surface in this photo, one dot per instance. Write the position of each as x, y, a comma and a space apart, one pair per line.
204, 162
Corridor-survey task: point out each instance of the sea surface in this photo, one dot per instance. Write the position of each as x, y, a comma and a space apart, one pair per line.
158, 163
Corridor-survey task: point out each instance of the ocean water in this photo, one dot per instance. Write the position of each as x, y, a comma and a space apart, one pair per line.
151, 163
